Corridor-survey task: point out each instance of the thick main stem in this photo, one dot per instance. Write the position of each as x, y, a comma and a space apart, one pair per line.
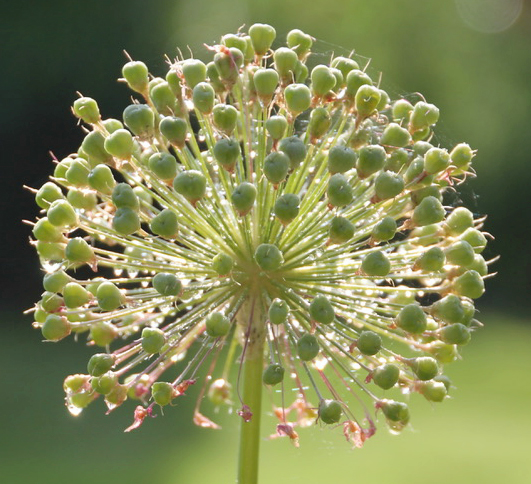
252, 394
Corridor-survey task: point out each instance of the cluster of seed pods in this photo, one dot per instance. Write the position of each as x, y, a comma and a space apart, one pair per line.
254, 177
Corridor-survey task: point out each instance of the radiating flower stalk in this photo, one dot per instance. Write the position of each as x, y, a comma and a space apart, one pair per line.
252, 222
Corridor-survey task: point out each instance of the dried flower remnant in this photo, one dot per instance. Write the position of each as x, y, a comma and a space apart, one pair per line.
291, 215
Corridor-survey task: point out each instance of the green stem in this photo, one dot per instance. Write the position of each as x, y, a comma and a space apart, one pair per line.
252, 395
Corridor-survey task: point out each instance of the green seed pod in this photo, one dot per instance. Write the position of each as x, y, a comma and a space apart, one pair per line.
214, 79
174, 81
443, 352
339, 191
47, 194
278, 312
455, 334
470, 284
144, 196
55, 281
40, 315
99, 364
273, 374
287, 207
167, 284
428, 211
460, 253
430, 191
386, 376
301, 73
341, 230
285, 62
402, 110
55, 328
103, 334
461, 156
459, 220
436, 160
295, 149
140, 119
78, 251
300, 42
51, 302
61, 214
384, 230
298, 98
109, 296
194, 72
276, 127
174, 130
321, 310
101, 179
354, 80
395, 136
345, 65
276, 167
376, 264
433, 391
60, 169
369, 343
470, 312
424, 367
105, 383
423, 116
268, 257
366, 100
44, 231
203, 97
136, 75
75, 383
126, 221
228, 65
217, 325
163, 165
225, 117
323, 80
384, 101
341, 159
243, 198
50, 251
153, 339
77, 173
307, 347
222, 264
165, 224
319, 123
82, 199
162, 393
471, 235
231, 40
371, 159
431, 261
445, 381
421, 134
414, 171
86, 109
479, 265
427, 235
412, 319
262, 36
420, 148
330, 411
75, 295
226, 152
112, 125
191, 184
220, 392
120, 144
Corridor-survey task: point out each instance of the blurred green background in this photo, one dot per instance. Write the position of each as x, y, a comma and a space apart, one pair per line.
472, 58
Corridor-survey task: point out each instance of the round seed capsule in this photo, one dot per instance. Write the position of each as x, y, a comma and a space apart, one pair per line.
120, 144
424, 115
75, 295
174, 81
86, 108
285, 62
345, 65
436, 160
460, 253
402, 110
163, 98
82, 199
103, 333
479, 265
262, 36
455, 334
140, 119
278, 312
384, 230
276, 166
44, 231
341, 230
376, 264
213, 77
295, 149
395, 411
415, 170
369, 343
217, 325
425, 367
287, 207
61, 214
319, 123
77, 173
165, 224
412, 319
371, 159
194, 72
136, 75
300, 42
109, 296
243, 197
174, 130
226, 152
47, 194
461, 156
330, 411
307, 347
162, 393
341, 159
443, 352
50, 251
225, 117
276, 127
273, 374
301, 73
321, 310
99, 364
101, 179
395, 136
323, 80
430, 191
167, 284
78, 251
470, 284
298, 98
153, 339
163, 165
268, 257
105, 383
366, 100
191, 184
126, 221
431, 261
123, 196
228, 65
231, 40
112, 125
429, 211
55, 328
51, 302
203, 97
433, 391
354, 80
222, 264
55, 281
459, 221
473, 236
339, 191
386, 376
